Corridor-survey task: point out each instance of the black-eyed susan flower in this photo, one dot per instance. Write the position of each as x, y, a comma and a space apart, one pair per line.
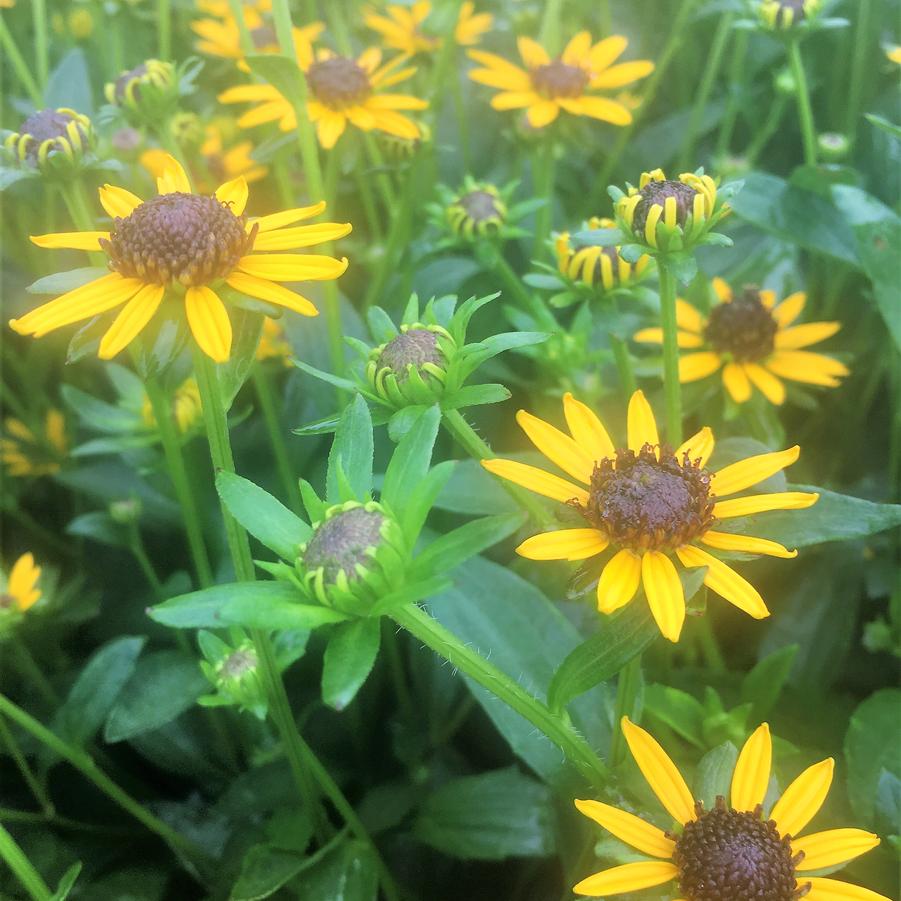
341, 90
76, 23
186, 245
754, 341
147, 93
25, 454
52, 140
478, 210
19, 591
598, 268
783, 14
733, 851
402, 27
649, 504
274, 344
666, 215
546, 86
186, 409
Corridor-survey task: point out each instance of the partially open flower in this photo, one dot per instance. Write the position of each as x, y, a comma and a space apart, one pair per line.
733, 851
234, 673
478, 211
186, 409
147, 94
52, 140
25, 454
670, 215
784, 14
412, 367
599, 268
355, 555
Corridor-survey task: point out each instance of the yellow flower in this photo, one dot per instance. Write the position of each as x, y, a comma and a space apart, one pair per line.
597, 266
730, 851
185, 245
231, 162
25, 454
401, 27
341, 90
545, 86
753, 340
21, 589
894, 53
274, 344
649, 503
186, 407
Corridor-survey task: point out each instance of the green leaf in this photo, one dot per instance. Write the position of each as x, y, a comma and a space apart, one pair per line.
473, 491
322, 375
270, 612
264, 870
61, 282
883, 123
67, 883
344, 870
96, 689
247, 327
266, 518
409, 594
162, 687
491, 816
446, 553
282, 73
99, 527
763, 685
713, 776
98, 414
476, 395
682, 712
349, 657
410, 462
873, 744
353, 450
69, 84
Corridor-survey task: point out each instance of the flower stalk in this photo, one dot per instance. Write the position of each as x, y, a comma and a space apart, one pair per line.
16, 860
672, 386
805, 111
17, 61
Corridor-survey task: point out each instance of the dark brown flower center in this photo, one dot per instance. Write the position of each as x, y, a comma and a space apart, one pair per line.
44, 125
642, 503
338, 82
742, 327
415, 347
655, 193
725, 854
480, 206
342, 542
189, 238
559, 79
264, 36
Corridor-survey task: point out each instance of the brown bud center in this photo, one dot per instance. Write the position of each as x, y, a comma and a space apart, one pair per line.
338, 82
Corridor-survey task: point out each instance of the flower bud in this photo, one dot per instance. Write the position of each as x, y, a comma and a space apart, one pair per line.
601, 268
52, 140
833, 146
234, 672
779, 15
125, 510
147, 93
478, 212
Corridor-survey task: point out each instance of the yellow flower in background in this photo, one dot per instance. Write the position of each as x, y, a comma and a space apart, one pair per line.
401, 26
546, 86
341, 90
20, 591
649, 503
187, 244
25, 454
600, 267
186, 407
274, 344
754, 341
779, 14
731, 851
894, 54
471, 25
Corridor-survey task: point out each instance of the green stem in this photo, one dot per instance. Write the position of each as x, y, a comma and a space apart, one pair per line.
32, 674
246, 39
520, 294
136, 545
398, 675
17, 61
543, 178
710, 649
623, 361
627, 687
859, 65
41, 46
805, 112
164, 28
462, 116
380, 173
32, 781
88, 768
370, 211
21, 866
178, 473
549, 32
767, 130
263, 386
702, 96
735, 83
672, 386
558, 729
466, 435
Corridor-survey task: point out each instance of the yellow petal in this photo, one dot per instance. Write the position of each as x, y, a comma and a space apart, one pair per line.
642, 428
660, 772
727, 541
623, 74
721, 289
630, 877
532, 53
725, 581
71, 240
514, 100
629, 828
761, 503
802, 335
131, 320
605, 52
600, 108
663, 590
619, 581
737, 383
833, 890
802, 800
699, 447
234, 194
558, 447
292, 267
833, 847
752, 770
808, 367
697, 366
752, 470
209, 322
687, 317
537, 480
790, 308
766, 383
542, 113
23, 579
302, 236
655, 336
515, 81
577, 48
565, 544
288, 217
266, 290
174, 179
118, 202
587, 430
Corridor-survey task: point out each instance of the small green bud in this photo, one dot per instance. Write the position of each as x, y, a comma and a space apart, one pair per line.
411, 368
125, 511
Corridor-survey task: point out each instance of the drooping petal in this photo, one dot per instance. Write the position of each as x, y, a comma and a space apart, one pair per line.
807, 367
209, 322
699, 447
542, 113
760, 503
833, 847
802, 800
587, 430
790, 308
725, 581
70, 240
131, 320
698, 366
597, 108
641, 425
752, 470
514, 100
517, 79
766, 383
663, 589
832, 890
565, 544
629, 828
117, 201
630, 877
330, 127
558, 447
727, 541
234, 193
660, 772
737, 383
537, 480
619, 581
292, 267
804, 335
751, 775
272, 292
